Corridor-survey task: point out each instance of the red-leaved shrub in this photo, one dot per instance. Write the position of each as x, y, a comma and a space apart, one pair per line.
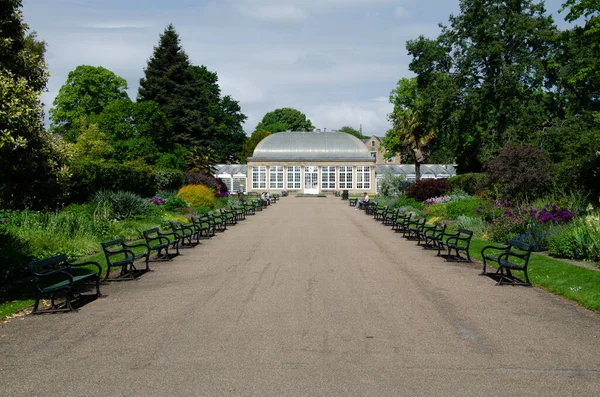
428, 188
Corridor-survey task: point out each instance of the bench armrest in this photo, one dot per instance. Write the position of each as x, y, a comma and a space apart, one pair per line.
494, 247
506, 255
88, 263
136, 245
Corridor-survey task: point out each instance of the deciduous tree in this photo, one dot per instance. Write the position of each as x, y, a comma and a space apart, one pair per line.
87, 91
285, 119
31, 172
250, 144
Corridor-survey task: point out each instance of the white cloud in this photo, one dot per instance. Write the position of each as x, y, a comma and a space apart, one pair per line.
372, 114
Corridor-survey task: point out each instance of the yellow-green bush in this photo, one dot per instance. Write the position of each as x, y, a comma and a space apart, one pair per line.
197, 195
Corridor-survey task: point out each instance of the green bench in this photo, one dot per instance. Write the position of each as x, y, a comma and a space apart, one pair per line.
120, 254
56, 277
185, 234
203, 226
160, 243
429, 236
457, 242
508, 258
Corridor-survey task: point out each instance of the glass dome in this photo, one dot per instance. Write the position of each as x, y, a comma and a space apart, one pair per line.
311, 146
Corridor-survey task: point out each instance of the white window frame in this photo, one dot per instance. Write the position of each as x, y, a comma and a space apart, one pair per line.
363, 177
294, 177
259, 177
345, 177
328, 177
276, 177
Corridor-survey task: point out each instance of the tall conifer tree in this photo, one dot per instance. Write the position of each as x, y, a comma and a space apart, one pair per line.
170, 81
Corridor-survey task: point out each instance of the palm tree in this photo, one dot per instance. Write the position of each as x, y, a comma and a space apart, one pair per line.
413, 133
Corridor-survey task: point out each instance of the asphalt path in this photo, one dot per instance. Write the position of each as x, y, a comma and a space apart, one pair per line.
307, 298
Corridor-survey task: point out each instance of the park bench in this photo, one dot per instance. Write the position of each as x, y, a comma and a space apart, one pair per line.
460, 241
229, 216
203, 227
401, 222
219, 220
428, 237
389, 218
508, 258
414, 228
380, 213
185, 234
371, 207
57, 277
160, 243
248, 208
239, 212
120, 254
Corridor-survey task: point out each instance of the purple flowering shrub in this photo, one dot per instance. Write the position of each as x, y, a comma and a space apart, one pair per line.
529, 225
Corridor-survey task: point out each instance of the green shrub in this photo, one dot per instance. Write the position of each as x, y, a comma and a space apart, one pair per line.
118, 205
169, 179
470, 183
197, 195
474, 223
166, 194
88, 177
14, 252
175, 202
403, 201
436, 210
393, 185
578, 240
466, 207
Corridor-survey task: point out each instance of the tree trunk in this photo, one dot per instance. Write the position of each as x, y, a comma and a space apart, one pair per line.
417, 170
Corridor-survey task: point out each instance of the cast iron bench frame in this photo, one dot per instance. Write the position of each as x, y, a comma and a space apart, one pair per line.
123, 257
61, 280
513, 256
159, 242
460, 241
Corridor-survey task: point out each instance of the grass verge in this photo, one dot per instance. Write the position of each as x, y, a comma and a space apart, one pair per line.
570, 281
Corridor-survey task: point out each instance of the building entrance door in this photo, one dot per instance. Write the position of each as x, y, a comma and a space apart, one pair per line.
311, 180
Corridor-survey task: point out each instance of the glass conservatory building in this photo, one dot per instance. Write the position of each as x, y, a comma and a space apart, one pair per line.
313, 163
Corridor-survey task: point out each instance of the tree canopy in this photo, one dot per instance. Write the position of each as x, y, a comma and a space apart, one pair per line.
411, 129
87, 91
352, 131
226, 115
285, 119
30, 168
250, 144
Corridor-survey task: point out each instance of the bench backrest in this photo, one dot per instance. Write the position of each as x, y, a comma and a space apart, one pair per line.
520, 245
52, 262
465, 233
151, 232
108, 244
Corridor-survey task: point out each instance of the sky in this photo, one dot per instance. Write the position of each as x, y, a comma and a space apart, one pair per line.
334, 60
